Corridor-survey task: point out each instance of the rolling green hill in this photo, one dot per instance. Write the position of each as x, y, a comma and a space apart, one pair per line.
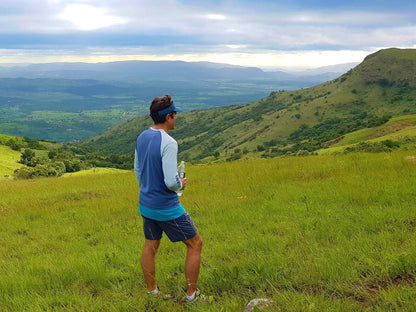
370, 108
8, 158
288, 122
11, 149
67, 102
24, 158
399, 132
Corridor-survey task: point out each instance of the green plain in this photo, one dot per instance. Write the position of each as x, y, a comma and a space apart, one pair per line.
315, 233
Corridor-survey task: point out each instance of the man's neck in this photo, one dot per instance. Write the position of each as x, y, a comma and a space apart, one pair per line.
161, 126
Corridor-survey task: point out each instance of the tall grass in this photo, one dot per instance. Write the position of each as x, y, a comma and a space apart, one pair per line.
8, 161
321, 233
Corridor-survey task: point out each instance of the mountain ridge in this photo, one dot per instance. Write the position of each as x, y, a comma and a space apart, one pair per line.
155, 70
289, 121
44, 100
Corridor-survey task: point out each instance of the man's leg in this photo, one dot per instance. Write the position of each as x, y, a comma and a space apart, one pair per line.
192, 263
148, 263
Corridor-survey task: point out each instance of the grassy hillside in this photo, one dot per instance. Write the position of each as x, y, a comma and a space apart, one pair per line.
316, 233
8, 161
23, 157
67, 102
399, 131
382, 86
10, 155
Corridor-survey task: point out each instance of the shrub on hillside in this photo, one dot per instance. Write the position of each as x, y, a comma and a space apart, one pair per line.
73, 165
23, 173
28, 158
14, 145
261, 148
32, 143
373, 147
40, 170
67, 158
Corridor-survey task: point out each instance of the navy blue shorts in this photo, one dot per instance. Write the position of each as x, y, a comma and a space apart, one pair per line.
178, 230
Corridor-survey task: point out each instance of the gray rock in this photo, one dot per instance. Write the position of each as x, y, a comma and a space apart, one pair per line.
259, 303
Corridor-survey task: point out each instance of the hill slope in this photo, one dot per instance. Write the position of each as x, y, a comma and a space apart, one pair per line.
398, 132
66, 102
10, 151
383, 85
8, 161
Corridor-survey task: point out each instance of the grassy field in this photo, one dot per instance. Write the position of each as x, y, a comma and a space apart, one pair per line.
8, 161
317, 233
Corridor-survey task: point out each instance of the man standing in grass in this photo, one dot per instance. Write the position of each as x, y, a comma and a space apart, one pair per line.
155, 165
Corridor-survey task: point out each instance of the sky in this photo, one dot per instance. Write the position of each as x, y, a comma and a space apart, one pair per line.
269, 34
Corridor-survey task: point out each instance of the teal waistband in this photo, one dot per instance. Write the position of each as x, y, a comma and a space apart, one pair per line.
162, 215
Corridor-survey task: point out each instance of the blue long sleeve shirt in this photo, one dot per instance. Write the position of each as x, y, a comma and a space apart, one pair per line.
155, 166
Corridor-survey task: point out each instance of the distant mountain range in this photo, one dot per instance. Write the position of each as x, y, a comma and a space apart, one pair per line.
67, 102
288, 122
370, 108
164, 71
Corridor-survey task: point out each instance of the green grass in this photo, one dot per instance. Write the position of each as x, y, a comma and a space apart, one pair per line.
8, 161
93, 171
317, 233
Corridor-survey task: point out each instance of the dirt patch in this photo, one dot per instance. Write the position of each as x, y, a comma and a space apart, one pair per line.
410, 159
335, 141
263, 131
366, 293
373, 288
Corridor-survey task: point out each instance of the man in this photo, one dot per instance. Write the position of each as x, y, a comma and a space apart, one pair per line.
155, 166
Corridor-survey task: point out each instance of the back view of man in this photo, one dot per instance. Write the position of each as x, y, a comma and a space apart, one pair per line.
155, 166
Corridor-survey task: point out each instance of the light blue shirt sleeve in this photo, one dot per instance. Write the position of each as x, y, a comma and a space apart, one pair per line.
169, 153
136, 166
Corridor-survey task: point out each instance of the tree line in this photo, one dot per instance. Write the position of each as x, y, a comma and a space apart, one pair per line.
65, 159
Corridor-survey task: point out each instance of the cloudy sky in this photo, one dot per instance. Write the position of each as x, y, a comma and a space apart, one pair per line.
261, 33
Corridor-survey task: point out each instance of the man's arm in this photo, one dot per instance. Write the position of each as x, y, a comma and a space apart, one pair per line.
169, 165
136, 166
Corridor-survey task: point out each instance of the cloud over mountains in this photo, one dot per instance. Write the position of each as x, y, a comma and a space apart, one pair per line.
256, 33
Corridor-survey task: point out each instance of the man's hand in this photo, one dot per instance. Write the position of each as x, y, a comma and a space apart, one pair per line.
183, 183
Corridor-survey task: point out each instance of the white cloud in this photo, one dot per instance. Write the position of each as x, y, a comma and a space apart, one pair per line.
349, 18
218, 17
88, 17
282, 59
257, 34
236, 46
266, 59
